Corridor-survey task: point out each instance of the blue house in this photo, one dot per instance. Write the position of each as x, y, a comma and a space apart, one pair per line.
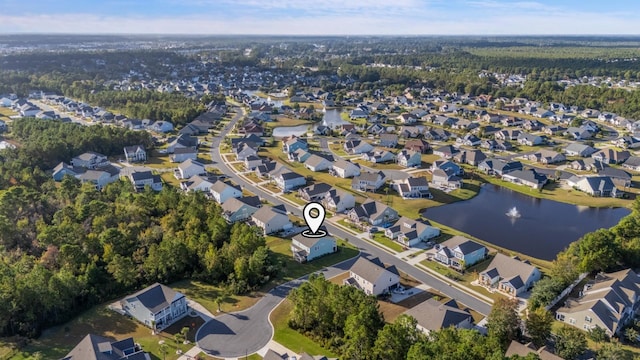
306, 249
460, 252
63, 169
294, 144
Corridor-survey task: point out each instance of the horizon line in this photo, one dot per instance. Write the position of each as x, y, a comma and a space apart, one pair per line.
317, 35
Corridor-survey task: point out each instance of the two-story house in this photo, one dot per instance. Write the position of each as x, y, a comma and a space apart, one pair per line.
609, 302
156, 306
306, 249
413, 188
460, 252
410, 232
372, 276
240, 209
338, 201
222, 191
189, 168
409, 158
373, 213
90, 160
344, 169
289, 180
433, 315
140, 179
368, 181
271, 220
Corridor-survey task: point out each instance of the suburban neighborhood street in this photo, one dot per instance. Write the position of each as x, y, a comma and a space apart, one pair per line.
251, 326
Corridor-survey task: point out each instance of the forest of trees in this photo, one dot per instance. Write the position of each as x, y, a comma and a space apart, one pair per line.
66, 246
349, 322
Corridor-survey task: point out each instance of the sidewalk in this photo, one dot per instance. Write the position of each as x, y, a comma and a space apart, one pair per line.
191, 354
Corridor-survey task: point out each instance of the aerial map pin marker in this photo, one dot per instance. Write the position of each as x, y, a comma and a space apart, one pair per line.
314, 223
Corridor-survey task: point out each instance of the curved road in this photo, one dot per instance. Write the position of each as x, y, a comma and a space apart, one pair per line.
238, 334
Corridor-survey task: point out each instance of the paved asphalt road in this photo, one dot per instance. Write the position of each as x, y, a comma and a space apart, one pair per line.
250, 328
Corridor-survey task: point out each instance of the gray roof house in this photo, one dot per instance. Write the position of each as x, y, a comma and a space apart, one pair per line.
270, 220
156, 306
378, 156
509, 275
338, 201
135, 153
610, 156
446, 179
344, 169
599, 186
184, 153
459, 252
373, 213
516, 348
317, 163
63, 169
189, 168
372, 276
306, 249
357, 147
610, 302
368, 181
409, 158
632, 163
140, 179
433, 315
315, 192
446, 151
95, 347
528, 177
223, 191
578, 149
101, 176
240, 209
413, 188
388, 140
90, 160
410, 232
289, 180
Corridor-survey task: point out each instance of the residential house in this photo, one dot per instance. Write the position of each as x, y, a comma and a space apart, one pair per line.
241, 208
198, 183
373, 277
101, 176
554, 130
577, 149
189, 168
157, 306
95, 347
289, 180
499, 167
530, 139
579, 133
509, 275
460, 252
448, 166
368, 181
345, 169
90, 160
182, 141
433, 315
508, 134
619, 177
271, 220
374, 213
141, 179
610, 156
446, 151
63, 169
135, 153
300, 155
545, 156
627, 142
469, 140
379, 156
523, 351
418, 145
528, 177
446, 179
407, 118
409, 158
244, 150
222, 191
269, 168
315, 192
294, 143
388, 140
632, 163
251, 162
338, 201
598, 186
161, 126
610, 301
182, 154
317, 163
532, 125
588, 164
411, 232
471, 157
357, 147
413, 188
496, 145
306, 248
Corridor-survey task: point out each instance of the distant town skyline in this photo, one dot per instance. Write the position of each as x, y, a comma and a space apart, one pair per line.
322, 17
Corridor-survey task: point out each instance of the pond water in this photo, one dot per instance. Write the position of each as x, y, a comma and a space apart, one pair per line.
544, 228
331, 118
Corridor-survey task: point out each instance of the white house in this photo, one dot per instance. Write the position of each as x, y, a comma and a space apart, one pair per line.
270, 220
156, 306
373, 277
222, 191
339, 201
509, 275
189, 168
345, 169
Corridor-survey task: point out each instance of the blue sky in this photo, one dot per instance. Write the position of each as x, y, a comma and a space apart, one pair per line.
320, 17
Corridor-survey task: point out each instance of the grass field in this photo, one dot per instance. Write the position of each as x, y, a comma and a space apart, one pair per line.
381, 239
386, 166
205, 294
293, 269
286, 121
58, 341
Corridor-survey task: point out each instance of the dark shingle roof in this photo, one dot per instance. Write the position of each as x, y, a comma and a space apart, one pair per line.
156, 297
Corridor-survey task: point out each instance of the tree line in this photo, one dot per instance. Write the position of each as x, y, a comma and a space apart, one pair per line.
65, 246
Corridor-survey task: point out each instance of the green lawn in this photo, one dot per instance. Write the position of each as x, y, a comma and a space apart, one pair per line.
553, 191
381, 239
5, 111
56, 342
293, 269
293, 196
386, 166
205, 294
350, 226
170, 179
290, 338
286, 121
